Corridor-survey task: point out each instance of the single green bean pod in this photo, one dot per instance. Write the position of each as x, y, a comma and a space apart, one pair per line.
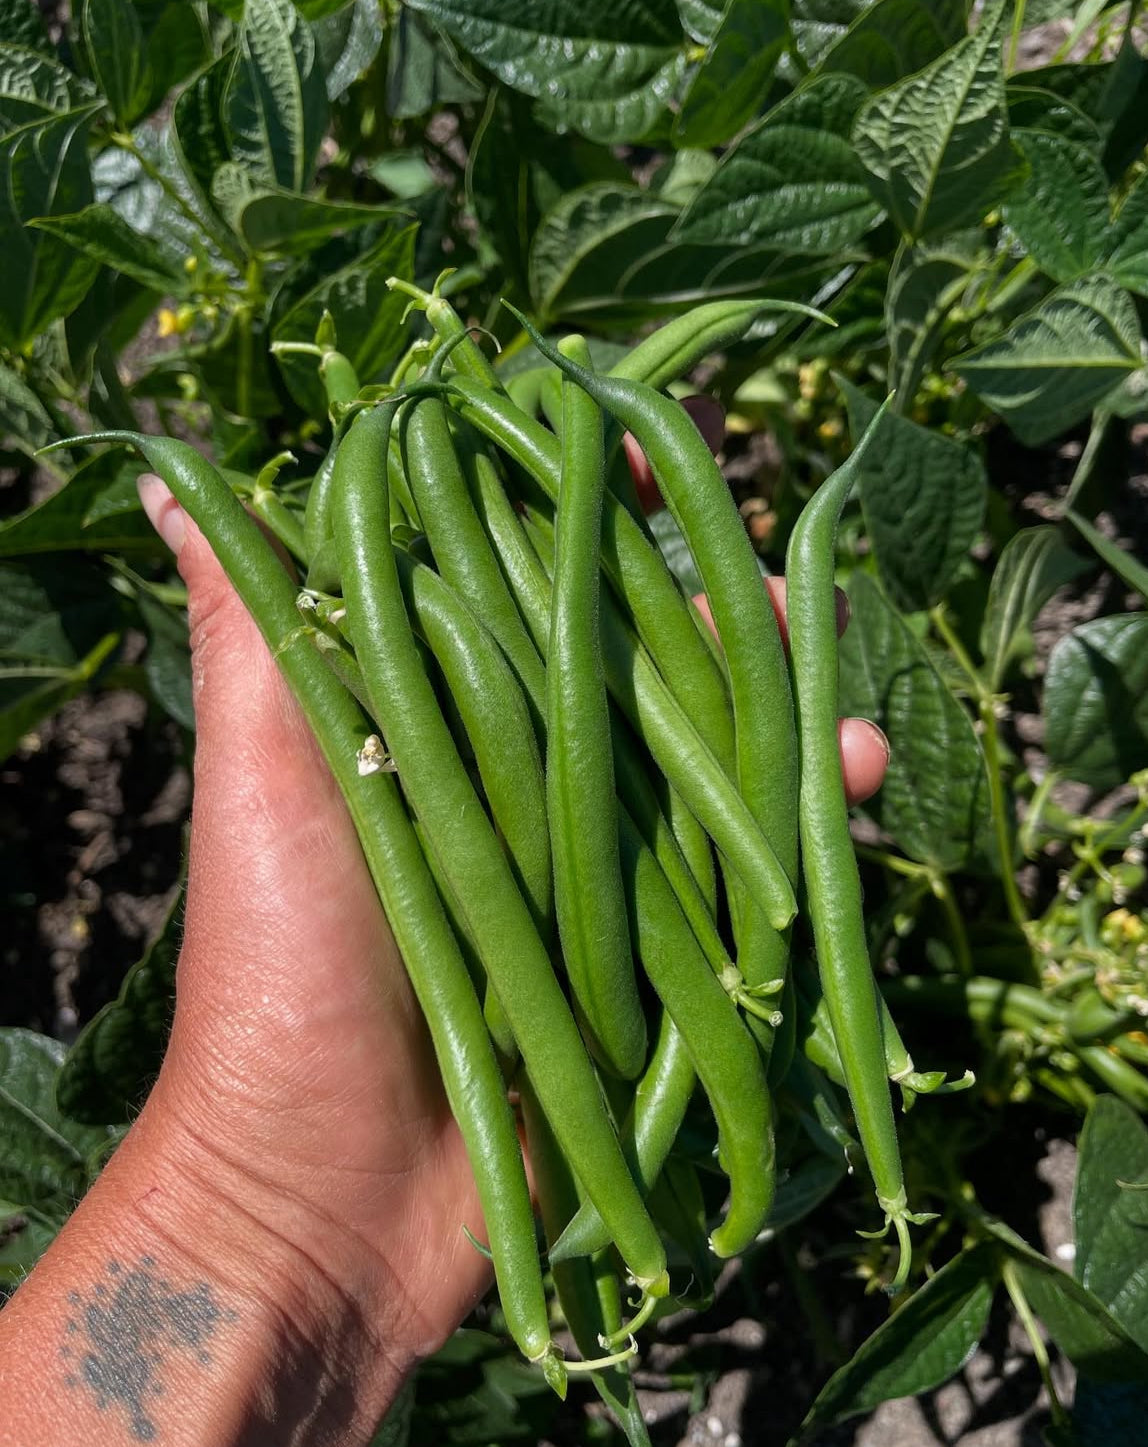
580, 799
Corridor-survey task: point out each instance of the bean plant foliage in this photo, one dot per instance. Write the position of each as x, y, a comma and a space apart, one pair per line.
198, 202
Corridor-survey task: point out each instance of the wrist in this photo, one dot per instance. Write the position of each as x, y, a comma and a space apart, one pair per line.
185, 1303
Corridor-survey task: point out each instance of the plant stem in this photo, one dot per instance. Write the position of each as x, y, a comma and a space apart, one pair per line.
986, 708
943, 890
1014, 38
1039, 1350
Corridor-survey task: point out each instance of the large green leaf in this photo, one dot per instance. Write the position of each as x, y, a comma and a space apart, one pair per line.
606, 68
1126, 567
1033, 109
167, 663
818, 25
1127, 257
1111, 1220
46, 1161
1096, 700
1060, 211
1054, 364
34, 87
116, 1058
280, 222
924, 285
102, 235
21, 23
892, 39
934, 802
590, 238
24, 420
1078, 1322
793, 182
43, 172
177, 45
730, 83
368, 317
348, 43
937, 144
75, 519
923, 495
276, 103
423, 69
1032, 566
114, 41
920, 1346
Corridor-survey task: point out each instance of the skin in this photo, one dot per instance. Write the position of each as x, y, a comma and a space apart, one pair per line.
324, 1263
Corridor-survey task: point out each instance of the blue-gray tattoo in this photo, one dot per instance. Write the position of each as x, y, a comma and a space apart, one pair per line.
121, 1333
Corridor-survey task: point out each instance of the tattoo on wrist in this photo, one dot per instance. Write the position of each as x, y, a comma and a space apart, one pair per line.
121, 1335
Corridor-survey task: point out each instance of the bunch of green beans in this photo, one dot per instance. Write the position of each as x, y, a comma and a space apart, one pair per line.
588, 822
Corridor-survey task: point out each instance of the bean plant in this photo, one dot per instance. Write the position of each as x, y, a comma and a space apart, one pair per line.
393, 279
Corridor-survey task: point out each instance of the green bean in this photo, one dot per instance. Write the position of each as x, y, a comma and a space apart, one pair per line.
466, 1059
678, 346
525, 388
764, 733
587, 1291
647, 1136
340, 381
722, 1050
449, 327
683, 757
440, 792
635, 568
832, 881
273, 512
317, 514
580, 800
497, 723
461, 550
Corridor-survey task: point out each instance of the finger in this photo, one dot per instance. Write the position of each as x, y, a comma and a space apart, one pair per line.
709, 418
776, 590
269, 830
864, 758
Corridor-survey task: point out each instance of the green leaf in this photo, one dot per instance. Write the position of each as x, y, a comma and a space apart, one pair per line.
924, 285
423, 69
793, 182
1031, 108
279, 222
114, 42
1129, 569
896, 38
730, 83
1096, 700
43, 172
1078, 1322
21, 23
43, 1161
676, 551
818, 25
116, 1058
920, 1346
44, 1158
102, 235
73, 519
167, 663
589, 240
923, 495
368, 317
31, 692
176, 47
348, 43
317, 9
1060, 211
24, 420
1032, 566
198, 136
1054, 364
934, 802
606, 68
937, 144
1110, 1220
1127, 257
34, 87
276, 101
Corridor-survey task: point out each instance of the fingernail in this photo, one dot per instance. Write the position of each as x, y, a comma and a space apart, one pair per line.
164, 513
879, 735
